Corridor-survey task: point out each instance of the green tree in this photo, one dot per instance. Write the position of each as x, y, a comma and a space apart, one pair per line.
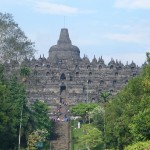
97, 117
12, 96
139, 146
17, 97
148, 57
25, 73
35, 137
14, 45
40, 111
104, 95
139, 127
82, 109
127, 113
90, 138
1, 73
12, 102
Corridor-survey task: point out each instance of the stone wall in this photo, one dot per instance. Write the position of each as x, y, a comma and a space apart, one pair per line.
68, 77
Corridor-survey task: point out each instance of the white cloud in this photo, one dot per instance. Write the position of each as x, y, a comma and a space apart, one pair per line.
48, 7
52, 8
18, 2
135, 33
130, 37
59, 9
133, 4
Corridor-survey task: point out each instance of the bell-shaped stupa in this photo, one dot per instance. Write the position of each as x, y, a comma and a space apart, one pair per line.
64, 50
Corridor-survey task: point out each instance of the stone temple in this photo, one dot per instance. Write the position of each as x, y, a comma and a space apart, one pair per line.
65, 76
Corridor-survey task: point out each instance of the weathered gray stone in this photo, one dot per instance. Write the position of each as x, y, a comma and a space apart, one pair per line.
65, 76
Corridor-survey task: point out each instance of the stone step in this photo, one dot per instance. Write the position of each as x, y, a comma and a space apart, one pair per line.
62, 132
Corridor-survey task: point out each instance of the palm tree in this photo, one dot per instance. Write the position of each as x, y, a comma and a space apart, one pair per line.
105, 95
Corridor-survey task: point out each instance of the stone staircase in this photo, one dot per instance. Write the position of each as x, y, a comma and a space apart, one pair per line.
62, 134
62, 140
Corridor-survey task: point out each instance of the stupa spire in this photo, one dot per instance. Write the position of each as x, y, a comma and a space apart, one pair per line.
64, 37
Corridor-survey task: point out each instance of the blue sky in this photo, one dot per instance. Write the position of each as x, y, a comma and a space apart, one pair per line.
118, 29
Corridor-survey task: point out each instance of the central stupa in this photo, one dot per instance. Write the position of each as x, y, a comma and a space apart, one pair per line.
64, 50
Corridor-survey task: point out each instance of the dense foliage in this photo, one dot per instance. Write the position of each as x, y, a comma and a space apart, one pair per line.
14, 45
124, 120
36, 137
13, 101
127, 114
17, 116
139, 146
90, 138
40, 111
83, 109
